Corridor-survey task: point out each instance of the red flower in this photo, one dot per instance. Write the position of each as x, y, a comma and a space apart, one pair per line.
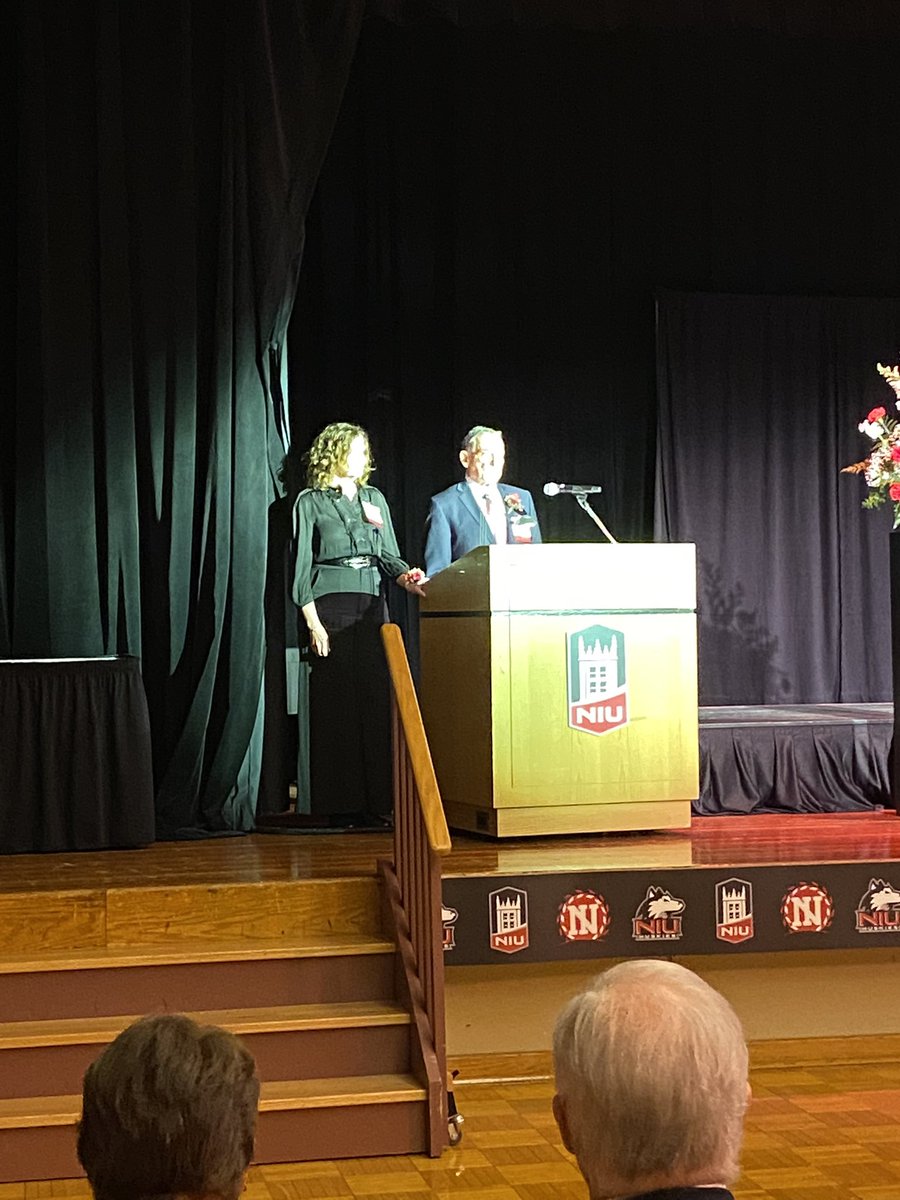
894, 491
895, 453
875, 415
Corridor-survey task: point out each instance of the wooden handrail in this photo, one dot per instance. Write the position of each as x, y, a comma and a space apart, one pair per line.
416, 741
412, 887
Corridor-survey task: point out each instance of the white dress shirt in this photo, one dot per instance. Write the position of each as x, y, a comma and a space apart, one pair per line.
488, 498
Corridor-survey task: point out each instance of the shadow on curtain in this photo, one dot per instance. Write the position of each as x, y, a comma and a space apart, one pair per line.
759, 401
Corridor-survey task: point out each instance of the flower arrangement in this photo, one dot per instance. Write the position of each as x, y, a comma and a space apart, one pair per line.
881, 469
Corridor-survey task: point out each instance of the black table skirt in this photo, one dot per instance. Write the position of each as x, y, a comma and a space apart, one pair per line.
800, 758
75, 765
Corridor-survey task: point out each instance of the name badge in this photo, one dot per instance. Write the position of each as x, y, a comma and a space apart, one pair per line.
521, 533
373, 514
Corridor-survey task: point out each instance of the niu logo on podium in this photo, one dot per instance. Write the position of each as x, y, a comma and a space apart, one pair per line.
597, 682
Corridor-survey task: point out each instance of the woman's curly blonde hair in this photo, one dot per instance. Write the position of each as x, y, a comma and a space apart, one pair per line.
327, 456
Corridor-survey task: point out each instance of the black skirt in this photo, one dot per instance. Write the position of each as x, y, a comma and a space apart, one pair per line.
349, 709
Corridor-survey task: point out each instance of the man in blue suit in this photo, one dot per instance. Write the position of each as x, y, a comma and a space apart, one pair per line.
479, 511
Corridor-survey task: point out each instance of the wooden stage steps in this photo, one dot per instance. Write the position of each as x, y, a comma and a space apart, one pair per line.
300, 969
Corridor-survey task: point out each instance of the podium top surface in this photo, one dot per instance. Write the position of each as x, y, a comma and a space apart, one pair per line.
563, 576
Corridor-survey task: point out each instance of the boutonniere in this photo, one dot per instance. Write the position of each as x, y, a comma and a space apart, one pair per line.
520, 523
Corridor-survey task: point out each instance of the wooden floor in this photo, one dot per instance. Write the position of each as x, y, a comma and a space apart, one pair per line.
266, 858
831, 1133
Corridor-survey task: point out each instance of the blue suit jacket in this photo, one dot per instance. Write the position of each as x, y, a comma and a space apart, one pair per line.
457, 525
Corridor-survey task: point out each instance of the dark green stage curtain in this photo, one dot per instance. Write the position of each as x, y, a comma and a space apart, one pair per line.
166, 157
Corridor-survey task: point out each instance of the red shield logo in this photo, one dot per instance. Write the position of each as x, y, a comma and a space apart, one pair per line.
734, 911
597, 679
509, 920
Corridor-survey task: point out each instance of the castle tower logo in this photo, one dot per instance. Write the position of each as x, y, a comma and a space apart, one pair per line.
509, 919
597, 680
734, 911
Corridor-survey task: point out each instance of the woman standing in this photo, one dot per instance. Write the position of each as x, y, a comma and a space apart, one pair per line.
346, 551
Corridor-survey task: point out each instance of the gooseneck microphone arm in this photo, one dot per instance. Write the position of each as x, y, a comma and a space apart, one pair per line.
581, 499
581, 491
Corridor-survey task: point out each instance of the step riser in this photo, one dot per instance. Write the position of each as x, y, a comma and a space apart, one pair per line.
93, 918
187, 987
296, 1054
358, 1131
296, 1136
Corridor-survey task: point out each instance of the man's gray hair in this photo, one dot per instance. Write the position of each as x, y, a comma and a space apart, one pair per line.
651, 1068
475, 434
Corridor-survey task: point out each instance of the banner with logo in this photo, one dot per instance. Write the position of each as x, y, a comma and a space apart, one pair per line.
614, 914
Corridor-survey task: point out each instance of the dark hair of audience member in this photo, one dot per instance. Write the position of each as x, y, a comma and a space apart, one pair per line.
169, 1109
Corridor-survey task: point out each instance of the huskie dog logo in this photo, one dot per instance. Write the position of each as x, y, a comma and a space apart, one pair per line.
878, 910
448, 922
509, 919
658, 917
583, 917
807, 908
734, 911
597, 680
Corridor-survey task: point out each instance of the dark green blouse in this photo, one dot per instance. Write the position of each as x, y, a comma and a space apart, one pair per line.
328, 526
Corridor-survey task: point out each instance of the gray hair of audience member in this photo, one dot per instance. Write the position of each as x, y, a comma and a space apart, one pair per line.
169, 1109
475, 434
651, 1079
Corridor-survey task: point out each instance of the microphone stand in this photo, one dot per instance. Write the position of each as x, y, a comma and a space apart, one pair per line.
582, 502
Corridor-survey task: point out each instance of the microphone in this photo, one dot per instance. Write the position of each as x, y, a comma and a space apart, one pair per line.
572, 489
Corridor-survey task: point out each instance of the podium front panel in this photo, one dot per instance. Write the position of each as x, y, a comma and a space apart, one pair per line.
636, 742
559, 687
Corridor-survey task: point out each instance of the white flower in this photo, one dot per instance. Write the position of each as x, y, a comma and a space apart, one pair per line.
872, 429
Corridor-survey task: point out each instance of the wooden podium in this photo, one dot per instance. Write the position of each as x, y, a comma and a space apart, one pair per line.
559, 688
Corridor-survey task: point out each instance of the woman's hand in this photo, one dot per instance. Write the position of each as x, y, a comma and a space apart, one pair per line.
412, 581
318, 639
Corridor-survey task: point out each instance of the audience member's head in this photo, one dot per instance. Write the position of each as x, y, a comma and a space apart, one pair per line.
651, 1081
169, 1110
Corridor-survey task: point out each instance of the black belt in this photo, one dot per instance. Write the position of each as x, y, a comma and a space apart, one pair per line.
358, 562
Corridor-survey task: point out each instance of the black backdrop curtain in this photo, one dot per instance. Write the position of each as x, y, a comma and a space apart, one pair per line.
166, 157
759, 402
499, 205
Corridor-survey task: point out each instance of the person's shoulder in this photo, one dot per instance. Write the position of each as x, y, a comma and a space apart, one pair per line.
507, 489
447, 494
371, 493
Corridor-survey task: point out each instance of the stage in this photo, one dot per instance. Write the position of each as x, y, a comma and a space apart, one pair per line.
262, 885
